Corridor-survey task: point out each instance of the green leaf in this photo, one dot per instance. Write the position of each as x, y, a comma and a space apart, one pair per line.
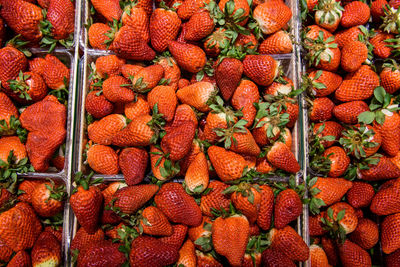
340, 215
366, 117
380, 117
379, 94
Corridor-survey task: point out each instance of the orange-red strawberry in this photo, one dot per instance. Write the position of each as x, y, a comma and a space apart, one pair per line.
164, 27
199, 26
353, 255
329, 190
108, 9
83, 238
137, 108
283, 86
101, 253
131, 198
149, 251
97, 35
7, 109
231, 11
315, 225
348, 112
47, 199
103, 159
354, 54
321, 82
321, 109
189, 7
331, 250
47, 250
115, 91
384, 169
97, 105
288, 207
272, 16
328, 14
354, 14
344, 215
390, 77
393, 259
230, 237
129, 70
197, 176
216, 41
266, 207
390, 241
228, 165
165, 99
377, 9
339, 161
54, 73
380, 45
183, 113
137, 18
277, 43
213, 122
348, 35
273, 257
244, 97
312, 32
177, 205
12, 62
21, 259
318, 256
147, 78
366, 234
360, 195
177, 237
228, 75
5, 252
178, 140
197, 95
154, 222
159, 164
110, 65
386, 201
187, 255
133, 164
280, 156
12, 143
262, 69
28, 87
214, 199
323, 54
189, 57
27, 186
361, 141
172, 72
61, 28
390, 140
147, 5
201, 235
246, 198
103, 131
328, 128
290, 243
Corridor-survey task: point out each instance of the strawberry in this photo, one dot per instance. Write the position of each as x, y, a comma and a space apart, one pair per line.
328, 14
321, 83
178, 141
377, 9
21, 259
129, 45
178, 236
315, 225
12, 143
354, 14
353, 255
380, 44
101, 253
288, 207
201, 235
108, 9
18, 227
103, 131
29, 87
342, 214
133, 164
165, 99
131, 198
273, 257
162, 167
393, 259
164, 27
206, 260
214, 199
228, 165
172, 72
97, 35
216, 42
247, 41
189, 7
115, 92
312, 32
239, 139
385, 202
318, 256
5, 252
228, 75
244, 97
390, 141
290, 243
281, 157
47, 199
47, 250
129, 70
323, 53
147, 78
360, 195
266, 207
110, 65
27, 186
321, 109
262, 69
231, 10
149, 251
197, 177
12, 63
199, 26
384, 169
23, 18
137, 18
354, 54
154, 222
390, 242
366, 234
197, 95
282, 86
277, 43
147, 5
97, 105
390, 77
135, 109
348, 35
187, 255
272, 16
57, 231
177, 205
83, 239
230, 236
361, 141
348, 112
189, 57
339, 161
322, 130
183, 114
331, 250
216, 121
7, 110
54, 73
61, 28
103, 159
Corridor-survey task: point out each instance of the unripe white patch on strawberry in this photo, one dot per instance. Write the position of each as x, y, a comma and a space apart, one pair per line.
327, 55
388, 112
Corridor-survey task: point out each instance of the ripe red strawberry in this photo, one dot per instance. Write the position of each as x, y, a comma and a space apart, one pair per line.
323, 53
266, 207
216, 41
230, 237
384, 169
103, 159
389, 240
272, 16
178, 236
390, 140
199, 26
12, 63
83, 239
133, 164
381, 48
360, 195
354, 54
103, 131
312, 32
54, 73
164, 27
166, 100
189, 7
28, 87
197, 95
331, 250
101, 253
215, 121
273, 257
21, 259
361, 141
129, 70
47, 250
330, 190
339, 161
321, 109
328, 128
154, 222
215, 199
277, 43
386, 201
353, 255
61, 28
328, 15
290, 243
137, 18
393, 259
5, 252
110, 65
131, 198
12, 143
322, 83
318, 256
201, 235
97, 105
86, 203
187, 255
108, 9
228, 165
244, 97
390, 77
280, 156
97, 35
262, 69
147, 78
348, 35
133, 110
288, 207
246, 199
354, 14
189, 57
315, 225
172, 72
115, 92
366, 234
47, 199
249, 41
283, 86
232, 11
129, 45
178, 141
27, 186
348, 112
146, 5
344, 215
177, 205
197, 176
149, 251
228, 75
205, 260
7, 109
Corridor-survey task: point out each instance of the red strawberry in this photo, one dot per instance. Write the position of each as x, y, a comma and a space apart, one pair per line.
61, 28
147, 78
228, 165
83, 239
166, 100
281, 157
390, 141
115, 92
318, 256
103, 159
246, 199
137, 18
330, 190
149, 251
386, 201
172, 72
199, 26
189, 57
354, 54
323, 53
249, 41
54, 73
339, 161
108, 9
47, 199
21, 259
206, 260
12, 63
354, 14
154, 222
29, 87
322, 83
215, 199
187, 255
177, 205
133, 164
288, 207
277, 43
97, 35
360, 195
47, 250
321, 109
377, 9
232, 10
331, 250
133, 110
178, 236
342, 214
366, 234
131, 198
262, 69
266, 207
380, 45
216, 41
328, 15
5, 252
348, 112
97, 105
189, 7
361, 141
228, 75
353, 255
315, 225
103, 131
273, 257
197, 176
328, 128
390, 77
384, 169
244, 97
197, 95
178, 141
393, 259
101, 253
164, 27
27, 186
389, 240
272, 16
107, 66
348, 35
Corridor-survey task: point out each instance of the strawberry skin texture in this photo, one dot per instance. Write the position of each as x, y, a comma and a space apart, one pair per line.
21, 259
228, 75
196, 95
177, 205
243, 98
247, 208
114, 92
199, 26
353, 255
318, 256
366, 234
131, 198
380, 46
215, 198
109, 9
388, 130
189, 57
156, 222
277, 43
187, 255
12, 62
393, 259
390, 80
228, 165
262, 69
98, 106
353, 55
102, 131
273, 257
164, 27
133, 164
137, 133
197, 176
138, 20
315, 225
385, 169
101, 253
330, 128
272, 16
54, 72
331, 189
280, 156
390, 240
288, 207
83, 239
103, 159
61, 15
178, 141
354, 14
360, 195
386, 201
339, 161
133, 110
46, 251
189, 7
330, 80
42, 202
321, 110
265, 211
107, 66
347, 35
166, 100
12, 143
349, 221
178, 236
348, 112
97, 37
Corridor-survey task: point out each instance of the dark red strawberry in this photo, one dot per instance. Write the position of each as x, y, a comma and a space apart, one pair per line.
149, 251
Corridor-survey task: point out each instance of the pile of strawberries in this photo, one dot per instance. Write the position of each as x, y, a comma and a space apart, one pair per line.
352, 82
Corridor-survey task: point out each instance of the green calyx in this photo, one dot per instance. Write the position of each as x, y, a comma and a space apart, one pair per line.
356, 139
86, 180
20, 86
